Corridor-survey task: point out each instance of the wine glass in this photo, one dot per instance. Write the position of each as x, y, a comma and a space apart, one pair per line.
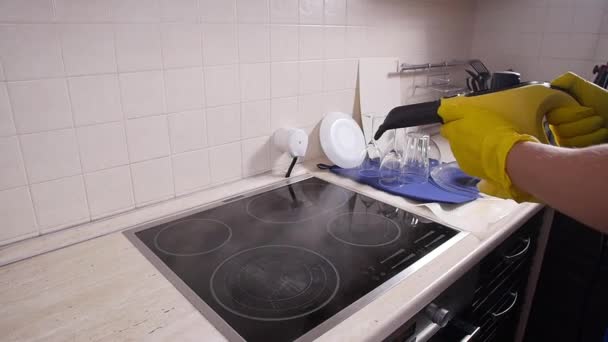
373, 155
390, 167
415, 162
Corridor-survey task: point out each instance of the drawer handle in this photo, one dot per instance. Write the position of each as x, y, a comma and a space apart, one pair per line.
472, 335
505, 311
519, 254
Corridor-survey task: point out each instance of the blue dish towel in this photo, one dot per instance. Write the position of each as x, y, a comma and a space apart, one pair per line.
425, 192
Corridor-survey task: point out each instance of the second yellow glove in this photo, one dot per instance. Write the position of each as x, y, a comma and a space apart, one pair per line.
580, 126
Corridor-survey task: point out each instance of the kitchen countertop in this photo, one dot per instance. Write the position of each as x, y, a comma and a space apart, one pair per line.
103, 288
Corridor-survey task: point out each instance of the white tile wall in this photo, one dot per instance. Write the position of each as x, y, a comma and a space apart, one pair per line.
226, 161
12, 171
88, 49
284, 11
311, 11
142, 93
30, 51
285, 79
335, 12
102, 146
7, 126
550, 37
76, 11
222, 85
53, 214
311, 77
256, 155
109, 191
49, 110
218, 11
16, 209
184, 89
112, 104
284, 112
181, 45
284, 43
253, 11
221, 45
255, 81
254, 43
152, 181
188, 131
95, 99
26, 10
223, 124
135, 10
311, 42
50, 155
191, 171
255, 119
148, 138
138, 47
179, 10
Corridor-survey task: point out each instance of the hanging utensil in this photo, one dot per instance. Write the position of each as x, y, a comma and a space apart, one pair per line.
483, 73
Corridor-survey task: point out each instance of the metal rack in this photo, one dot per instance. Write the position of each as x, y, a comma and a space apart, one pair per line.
405, 67
438, 81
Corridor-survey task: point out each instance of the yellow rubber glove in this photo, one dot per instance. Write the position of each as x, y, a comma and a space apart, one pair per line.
580, 127
481, 140
483, 129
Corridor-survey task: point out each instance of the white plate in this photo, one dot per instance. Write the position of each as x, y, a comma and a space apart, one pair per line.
342, 140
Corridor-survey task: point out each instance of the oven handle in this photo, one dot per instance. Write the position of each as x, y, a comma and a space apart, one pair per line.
462, 326
428, 332
517, 255
505, 311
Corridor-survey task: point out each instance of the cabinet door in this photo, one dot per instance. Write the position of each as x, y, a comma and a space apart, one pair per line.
569, 266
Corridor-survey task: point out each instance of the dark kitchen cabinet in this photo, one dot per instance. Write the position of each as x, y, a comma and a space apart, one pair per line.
572, 293
500, 292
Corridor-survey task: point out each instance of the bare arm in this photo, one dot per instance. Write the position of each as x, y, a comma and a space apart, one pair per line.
574, 181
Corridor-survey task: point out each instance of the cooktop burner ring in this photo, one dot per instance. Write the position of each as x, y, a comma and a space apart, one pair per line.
297, 200
304, 287
225, 230
395, 232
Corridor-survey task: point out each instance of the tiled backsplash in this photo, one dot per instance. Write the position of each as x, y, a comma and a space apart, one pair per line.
542, 38
113, 104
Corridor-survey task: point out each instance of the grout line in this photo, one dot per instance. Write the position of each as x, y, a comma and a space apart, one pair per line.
54, 10
118, 73
238, 68
65, 83
26, 174
203, 75
166, 116
124, 117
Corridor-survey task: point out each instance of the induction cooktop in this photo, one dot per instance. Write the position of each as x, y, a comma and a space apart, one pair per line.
290, 261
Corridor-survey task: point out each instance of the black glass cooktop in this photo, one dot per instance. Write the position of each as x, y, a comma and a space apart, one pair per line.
275, 265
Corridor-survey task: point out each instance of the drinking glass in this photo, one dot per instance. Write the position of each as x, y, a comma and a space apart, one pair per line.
373, 155
415, 162
390, 167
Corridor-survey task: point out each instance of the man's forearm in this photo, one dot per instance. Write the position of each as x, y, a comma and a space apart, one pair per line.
573, 181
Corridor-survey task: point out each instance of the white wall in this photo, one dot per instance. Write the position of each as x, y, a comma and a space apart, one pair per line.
542, 38
110, 105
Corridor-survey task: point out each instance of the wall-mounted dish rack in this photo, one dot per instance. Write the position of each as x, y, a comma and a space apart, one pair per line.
439, 77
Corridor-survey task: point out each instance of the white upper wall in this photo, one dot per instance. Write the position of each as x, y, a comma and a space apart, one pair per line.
542, 38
